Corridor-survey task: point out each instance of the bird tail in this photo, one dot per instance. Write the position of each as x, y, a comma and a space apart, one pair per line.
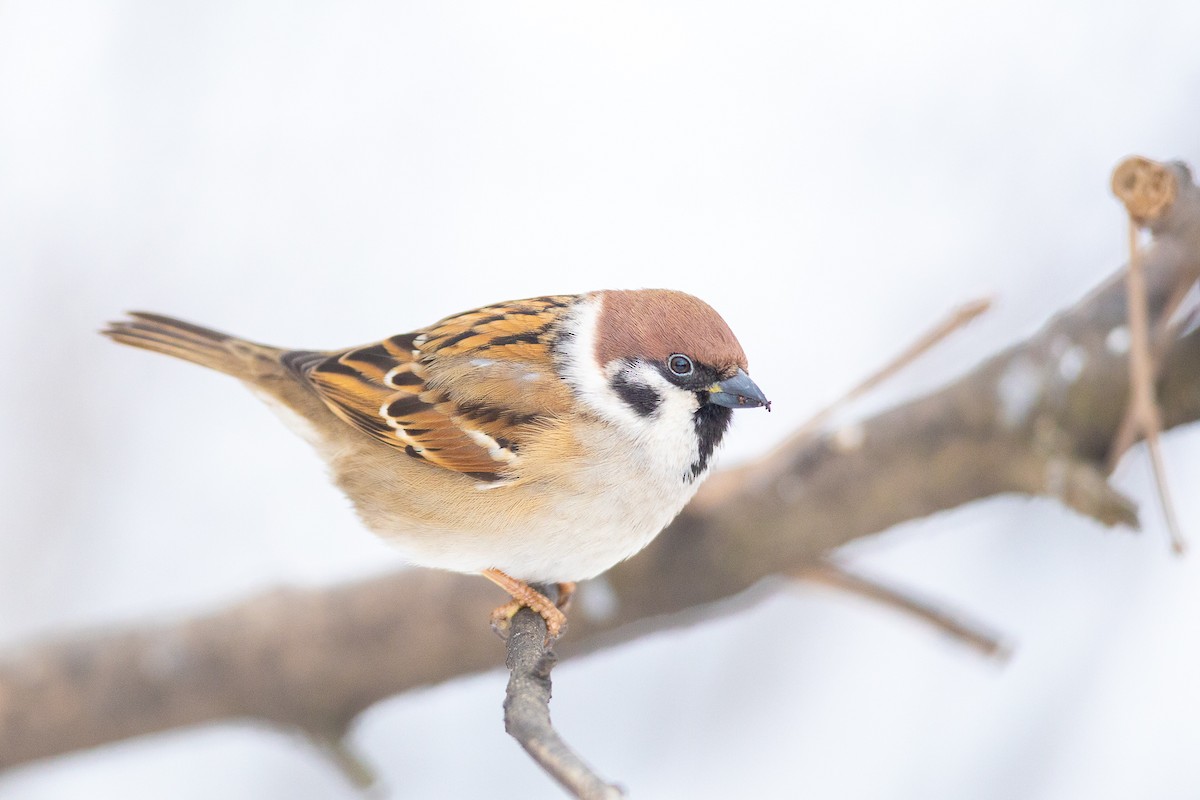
203, 346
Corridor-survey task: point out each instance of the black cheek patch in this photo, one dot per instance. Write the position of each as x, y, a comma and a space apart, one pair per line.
638, 396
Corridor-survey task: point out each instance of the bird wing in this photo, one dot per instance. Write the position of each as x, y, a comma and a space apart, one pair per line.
462, 394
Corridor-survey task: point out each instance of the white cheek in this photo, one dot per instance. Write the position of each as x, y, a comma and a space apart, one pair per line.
664, 443
579, 354
676, 410
665, 440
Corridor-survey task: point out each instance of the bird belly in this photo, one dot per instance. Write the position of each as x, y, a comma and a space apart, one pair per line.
568, 538
554, 524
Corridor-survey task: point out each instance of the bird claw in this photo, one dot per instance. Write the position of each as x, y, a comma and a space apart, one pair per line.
556, 621
525, 596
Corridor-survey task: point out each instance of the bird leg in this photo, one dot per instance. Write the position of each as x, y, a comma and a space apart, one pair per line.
525, 596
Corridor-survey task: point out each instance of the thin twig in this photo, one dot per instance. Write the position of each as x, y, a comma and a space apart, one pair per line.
353, 767
527, 709
1141, 374
971, 633
948, 325
1147, 189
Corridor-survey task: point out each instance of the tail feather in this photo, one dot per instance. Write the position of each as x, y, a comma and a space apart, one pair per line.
190, 342
261, 367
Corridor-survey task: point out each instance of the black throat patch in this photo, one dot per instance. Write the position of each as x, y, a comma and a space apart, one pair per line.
711, 423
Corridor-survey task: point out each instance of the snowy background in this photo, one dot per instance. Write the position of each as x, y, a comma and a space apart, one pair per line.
833, 177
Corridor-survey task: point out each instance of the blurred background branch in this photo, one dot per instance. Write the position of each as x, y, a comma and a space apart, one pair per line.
1038, 418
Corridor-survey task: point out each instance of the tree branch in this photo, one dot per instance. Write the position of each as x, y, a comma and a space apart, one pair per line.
527, 709
1038, 419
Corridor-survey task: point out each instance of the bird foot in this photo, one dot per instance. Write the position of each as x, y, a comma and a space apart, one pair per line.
525, 596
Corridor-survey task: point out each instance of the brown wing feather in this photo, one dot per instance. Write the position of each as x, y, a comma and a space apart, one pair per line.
461, 394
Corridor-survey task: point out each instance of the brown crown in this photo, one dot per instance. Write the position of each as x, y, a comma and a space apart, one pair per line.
657, 323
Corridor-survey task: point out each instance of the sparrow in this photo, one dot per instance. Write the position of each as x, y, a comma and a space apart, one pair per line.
534, 441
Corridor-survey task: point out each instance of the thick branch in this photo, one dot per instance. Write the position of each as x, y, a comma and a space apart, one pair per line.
1038, 418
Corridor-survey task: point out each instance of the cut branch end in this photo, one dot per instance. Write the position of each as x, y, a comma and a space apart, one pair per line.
1147, 188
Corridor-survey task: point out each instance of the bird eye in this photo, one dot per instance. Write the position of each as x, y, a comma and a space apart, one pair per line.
680, 364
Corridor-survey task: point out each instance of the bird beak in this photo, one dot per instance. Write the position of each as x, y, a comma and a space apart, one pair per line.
738, 392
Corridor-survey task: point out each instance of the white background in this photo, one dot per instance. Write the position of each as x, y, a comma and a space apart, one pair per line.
833, 177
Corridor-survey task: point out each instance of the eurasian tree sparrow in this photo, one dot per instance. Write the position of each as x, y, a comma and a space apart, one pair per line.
541, 440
